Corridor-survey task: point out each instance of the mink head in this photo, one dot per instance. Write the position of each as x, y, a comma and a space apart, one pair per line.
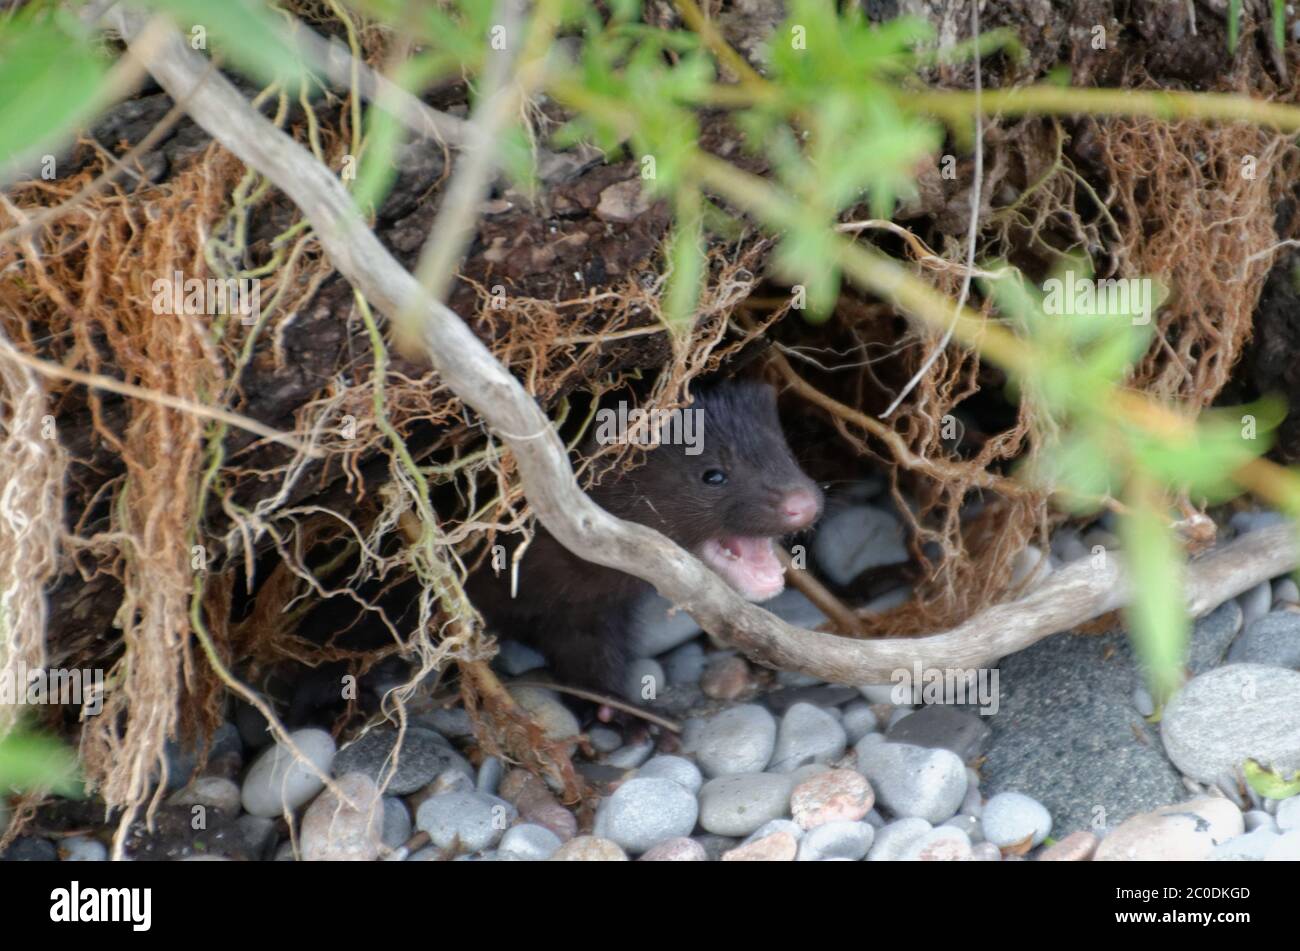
723, 484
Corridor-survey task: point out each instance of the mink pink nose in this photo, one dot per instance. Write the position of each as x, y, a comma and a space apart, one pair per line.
799, 508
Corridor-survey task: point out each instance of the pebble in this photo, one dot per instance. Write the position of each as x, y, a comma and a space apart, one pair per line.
1285, 591
645, 811
1288, 814
1259, 819
858, 721
80, 848
1250, 847
632, 755
893, 694
1256, 602
468, 821
277, 781
644, 681
589, 848
737, 740
1226, 715
333, 831
538, 804
516, 658
29, 848
912, 781
1075, 847
896, 838
857, 538
1182, 832
833, 796
807, 734
1272, 639
971, 825
257, 834
839, 839
793, 607
985, 852
944, 844
422, 757
685, 664
451, 722
546, 707
942, 727
1212, 637
1243, 522
677, 768
657, 626
489, 775
736, 805
212, 792
1010, 818
776, 847
396, 829
726, 677
676, 850
530, 842
1286, 848
603, 739
773, 827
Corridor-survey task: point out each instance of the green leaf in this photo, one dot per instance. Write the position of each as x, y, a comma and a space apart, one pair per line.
1156, 616
1269, 783
687, 263
32, 761
51, 78
245, 32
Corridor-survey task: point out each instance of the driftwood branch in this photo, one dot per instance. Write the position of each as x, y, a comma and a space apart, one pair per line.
1077, 593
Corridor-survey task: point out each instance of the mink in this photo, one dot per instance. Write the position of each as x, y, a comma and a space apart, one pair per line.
726, 499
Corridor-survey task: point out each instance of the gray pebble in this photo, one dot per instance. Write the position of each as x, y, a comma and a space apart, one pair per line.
469, 821
736, 805
839, 840
645, 680
80, 848
1285, 591
453, 722
679, 769
854, 539
516, 658
489, 776
1143, 702
1272, 639
1286, 848
645, 811
1259, 819
1250, 847
685, 664
1288, 814
603, 739
896, 838
1256, 602
943, 843
212, 792
278, 781
423, 755
772, 828
968, 824
632, 755
397, 823
657, 626
334, 831
258, 833
893, 694
807, 734
1226, 715
911, 780
1243, 522
942, 727
737, 740
530, 842
858, 721
1012, 817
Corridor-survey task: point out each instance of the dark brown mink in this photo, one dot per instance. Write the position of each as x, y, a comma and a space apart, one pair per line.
725, 497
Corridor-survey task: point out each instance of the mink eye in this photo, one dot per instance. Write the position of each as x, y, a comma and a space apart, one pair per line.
714, 477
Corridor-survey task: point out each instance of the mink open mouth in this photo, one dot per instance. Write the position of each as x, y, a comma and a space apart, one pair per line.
747, 563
